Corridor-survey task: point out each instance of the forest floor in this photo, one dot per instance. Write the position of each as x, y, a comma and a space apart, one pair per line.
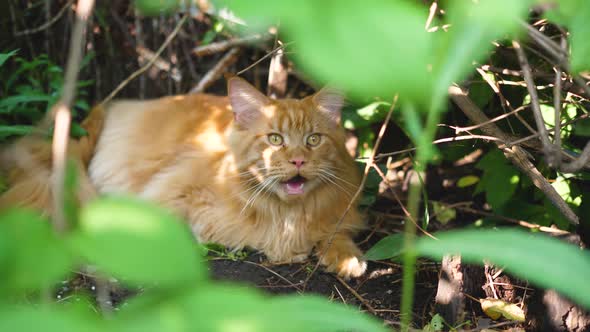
378, 292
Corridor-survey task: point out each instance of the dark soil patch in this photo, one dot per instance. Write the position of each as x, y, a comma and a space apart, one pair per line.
377, 292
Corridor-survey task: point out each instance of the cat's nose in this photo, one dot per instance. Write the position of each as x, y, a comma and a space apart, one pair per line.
298, 162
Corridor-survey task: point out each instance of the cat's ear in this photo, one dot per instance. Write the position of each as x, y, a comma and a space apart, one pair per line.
329, 101
246, 101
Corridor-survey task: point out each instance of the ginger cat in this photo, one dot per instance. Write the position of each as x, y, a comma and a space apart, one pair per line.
243, 170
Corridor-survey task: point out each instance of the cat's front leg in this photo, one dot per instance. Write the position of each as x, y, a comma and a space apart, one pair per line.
341, 256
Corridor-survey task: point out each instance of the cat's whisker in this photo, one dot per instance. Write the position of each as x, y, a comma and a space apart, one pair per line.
323, 176
248, 172
262, 187
336, 177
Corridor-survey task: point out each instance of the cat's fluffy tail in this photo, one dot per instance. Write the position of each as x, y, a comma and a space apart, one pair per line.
26, 164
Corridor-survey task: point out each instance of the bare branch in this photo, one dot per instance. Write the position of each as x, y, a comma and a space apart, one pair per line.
554, 158
577, 164
227, 44
63, 114
47, 24
147, 65
532, 89
271, 53
212, 75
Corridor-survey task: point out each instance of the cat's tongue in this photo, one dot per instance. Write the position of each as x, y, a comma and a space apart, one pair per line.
295, 186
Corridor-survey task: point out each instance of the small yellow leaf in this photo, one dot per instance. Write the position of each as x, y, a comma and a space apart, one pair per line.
467, 181
496, 308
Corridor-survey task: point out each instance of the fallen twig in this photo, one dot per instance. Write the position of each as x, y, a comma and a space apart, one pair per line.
214, 73
358, 296
291, 284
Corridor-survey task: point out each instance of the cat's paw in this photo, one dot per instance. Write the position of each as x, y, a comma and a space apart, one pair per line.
350, 267
344, 258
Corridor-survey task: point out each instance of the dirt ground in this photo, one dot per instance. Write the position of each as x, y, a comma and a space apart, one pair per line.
378, 292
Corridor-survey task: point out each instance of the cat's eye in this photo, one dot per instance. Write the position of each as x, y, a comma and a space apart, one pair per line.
275, 139
313, 139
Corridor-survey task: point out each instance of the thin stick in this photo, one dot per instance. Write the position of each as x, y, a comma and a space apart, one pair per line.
340, 294
404, 209
503, 101
528, 138
212, 75
528, 77
226, 45
147, 65
63, 114
275, 273
555, 157
262, 59
431, 13
47, 24
577, 164
438, 141
358, 296
546, 43
359, 190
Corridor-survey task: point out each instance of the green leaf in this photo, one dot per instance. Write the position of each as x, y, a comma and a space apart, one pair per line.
385, 51
579, 31
156, 7
373, 112
310, 313
48, 320
544, 261
388, 247
467, 180
77, 131
243, 309
15, 130
499, 180
481, 93
6, 56
443, 213
10, 103
35, 257
138, 242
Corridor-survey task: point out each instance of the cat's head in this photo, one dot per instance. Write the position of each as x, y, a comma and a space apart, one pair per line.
289, 147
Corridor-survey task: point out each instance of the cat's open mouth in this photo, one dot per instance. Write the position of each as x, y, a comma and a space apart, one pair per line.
294, 186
